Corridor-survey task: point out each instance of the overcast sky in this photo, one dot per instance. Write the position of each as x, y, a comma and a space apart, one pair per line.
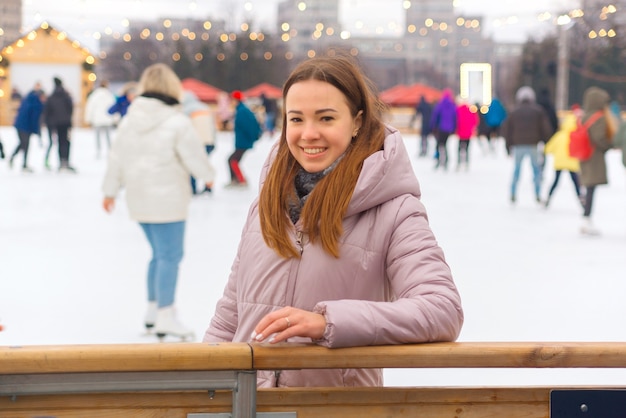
81, 18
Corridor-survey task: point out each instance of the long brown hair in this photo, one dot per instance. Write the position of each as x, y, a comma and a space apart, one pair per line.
326, 206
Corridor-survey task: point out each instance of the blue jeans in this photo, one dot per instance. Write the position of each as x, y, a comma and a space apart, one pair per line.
519, 153
166, 240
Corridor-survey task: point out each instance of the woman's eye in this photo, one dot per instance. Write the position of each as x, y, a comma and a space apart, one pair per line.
295, 120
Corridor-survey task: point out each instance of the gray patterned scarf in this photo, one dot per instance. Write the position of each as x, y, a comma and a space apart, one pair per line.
304, 184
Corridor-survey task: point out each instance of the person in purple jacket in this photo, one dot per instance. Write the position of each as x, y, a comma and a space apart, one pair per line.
337, 249
443, 123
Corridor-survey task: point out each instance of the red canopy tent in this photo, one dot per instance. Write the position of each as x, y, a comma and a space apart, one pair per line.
270, 91
402, 95
205, 92
393, 92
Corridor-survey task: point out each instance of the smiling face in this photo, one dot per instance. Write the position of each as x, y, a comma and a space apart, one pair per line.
319, 126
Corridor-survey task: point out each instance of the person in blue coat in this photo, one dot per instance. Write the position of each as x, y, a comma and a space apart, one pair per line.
494, 118
247, 131
123, 101
27, 122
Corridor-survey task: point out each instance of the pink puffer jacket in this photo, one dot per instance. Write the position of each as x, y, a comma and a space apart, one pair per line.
391, 284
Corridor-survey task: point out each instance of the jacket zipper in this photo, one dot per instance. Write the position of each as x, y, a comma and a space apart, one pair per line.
299, 244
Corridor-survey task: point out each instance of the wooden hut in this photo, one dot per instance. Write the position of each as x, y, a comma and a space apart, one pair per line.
39, 56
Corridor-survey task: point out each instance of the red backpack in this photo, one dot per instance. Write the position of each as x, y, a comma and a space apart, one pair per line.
580, 146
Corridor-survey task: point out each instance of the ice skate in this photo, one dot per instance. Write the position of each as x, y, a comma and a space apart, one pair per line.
236, 185
67, 169
151, 316
167, 324
587, 228
546, 203
462, 167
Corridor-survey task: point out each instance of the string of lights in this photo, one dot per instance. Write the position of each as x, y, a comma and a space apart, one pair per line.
248, 10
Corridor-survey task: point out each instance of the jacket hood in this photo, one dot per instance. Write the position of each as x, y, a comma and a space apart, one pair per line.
385, 175
34, 96
595, 99
191, 103
525, 94
569, 123
102, 93
147, 113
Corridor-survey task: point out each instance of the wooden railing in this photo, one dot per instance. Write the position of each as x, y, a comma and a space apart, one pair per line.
204, 380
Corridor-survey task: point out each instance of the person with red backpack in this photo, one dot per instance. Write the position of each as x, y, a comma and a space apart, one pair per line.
593, 169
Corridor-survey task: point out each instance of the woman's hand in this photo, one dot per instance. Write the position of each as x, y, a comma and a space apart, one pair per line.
289, 322
108, 203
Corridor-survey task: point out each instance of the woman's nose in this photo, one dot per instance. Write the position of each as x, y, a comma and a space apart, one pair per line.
310, 131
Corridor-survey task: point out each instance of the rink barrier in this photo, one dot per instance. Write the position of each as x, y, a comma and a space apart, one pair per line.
196, 380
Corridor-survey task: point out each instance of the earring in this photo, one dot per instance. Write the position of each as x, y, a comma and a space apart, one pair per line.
355, 134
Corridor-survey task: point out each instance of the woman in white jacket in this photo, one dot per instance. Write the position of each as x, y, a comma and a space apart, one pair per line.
155, 151
97, 113
337, 249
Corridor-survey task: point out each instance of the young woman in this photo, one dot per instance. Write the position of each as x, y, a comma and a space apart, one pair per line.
337, 249
155, 151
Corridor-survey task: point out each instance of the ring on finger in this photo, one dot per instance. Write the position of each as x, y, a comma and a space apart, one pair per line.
288, 321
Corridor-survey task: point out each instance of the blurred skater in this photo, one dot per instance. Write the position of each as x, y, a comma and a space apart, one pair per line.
155, 151
27, 123
97, 114
558, 147
57, 115
204, 122
467, 121
523, 130
443, 123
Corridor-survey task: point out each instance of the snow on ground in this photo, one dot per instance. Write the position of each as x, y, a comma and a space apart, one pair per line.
72, 274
